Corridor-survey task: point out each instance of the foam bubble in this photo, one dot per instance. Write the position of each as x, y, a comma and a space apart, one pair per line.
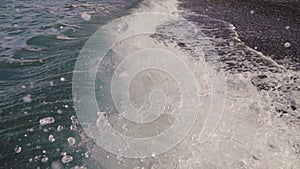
27, 99
287, 44
85, 16
51, 138
47, 120
18, 149
71, 141
66, 159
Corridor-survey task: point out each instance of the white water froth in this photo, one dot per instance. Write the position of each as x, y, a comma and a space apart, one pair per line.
248, 135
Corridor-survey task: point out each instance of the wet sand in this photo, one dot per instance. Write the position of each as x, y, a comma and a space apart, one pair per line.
262, 25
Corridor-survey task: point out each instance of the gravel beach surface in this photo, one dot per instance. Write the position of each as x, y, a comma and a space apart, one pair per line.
269, 26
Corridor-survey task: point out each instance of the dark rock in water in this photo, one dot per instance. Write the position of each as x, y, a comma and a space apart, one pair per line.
262, 76
262, 82
294, 107
181, 44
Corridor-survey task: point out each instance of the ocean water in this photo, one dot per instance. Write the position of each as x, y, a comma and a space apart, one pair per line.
40, 129
40, 42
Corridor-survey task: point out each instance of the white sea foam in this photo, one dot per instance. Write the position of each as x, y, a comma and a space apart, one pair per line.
66, 159
46, 120
247, 136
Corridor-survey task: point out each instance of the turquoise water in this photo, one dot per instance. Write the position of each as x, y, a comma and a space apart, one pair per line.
40, 41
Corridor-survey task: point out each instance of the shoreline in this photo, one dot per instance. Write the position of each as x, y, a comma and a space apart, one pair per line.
265, 26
